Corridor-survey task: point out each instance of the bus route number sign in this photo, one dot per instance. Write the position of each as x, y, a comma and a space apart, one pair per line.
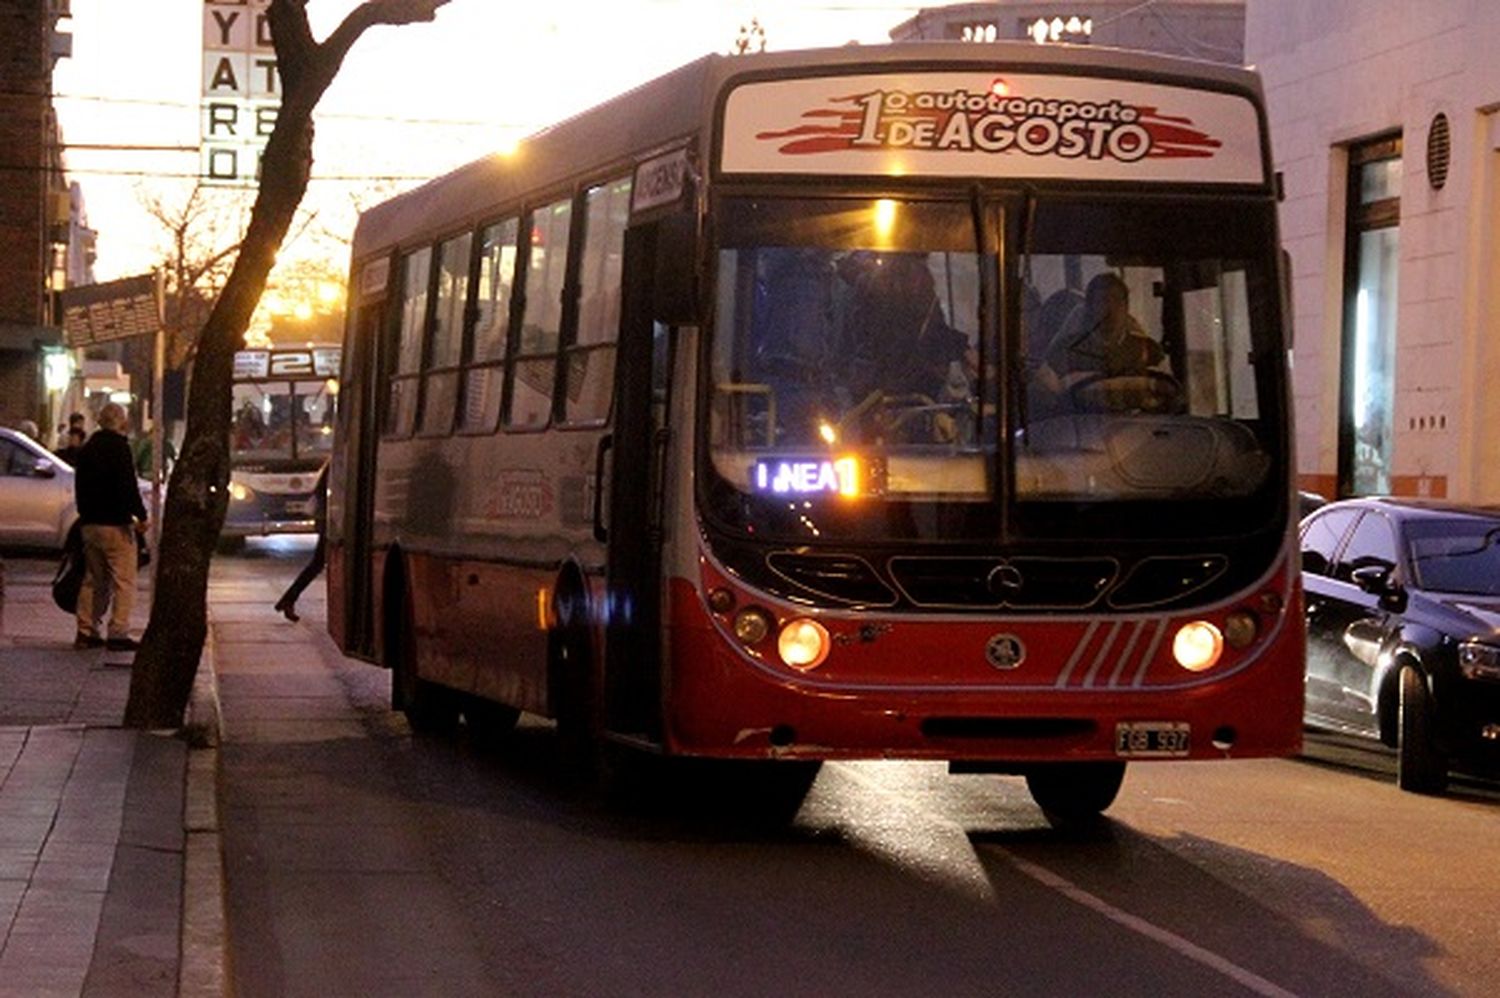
313, 363
659, 181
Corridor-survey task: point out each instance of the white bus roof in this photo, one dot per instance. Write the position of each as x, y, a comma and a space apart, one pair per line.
681, 104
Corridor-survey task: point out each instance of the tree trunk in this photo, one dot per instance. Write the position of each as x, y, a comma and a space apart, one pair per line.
161, 680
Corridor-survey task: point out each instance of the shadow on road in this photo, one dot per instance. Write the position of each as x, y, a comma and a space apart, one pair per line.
1371, 760
1210, 893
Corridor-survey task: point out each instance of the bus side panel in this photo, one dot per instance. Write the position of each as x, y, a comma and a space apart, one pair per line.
487, 623
720, 704
485, 522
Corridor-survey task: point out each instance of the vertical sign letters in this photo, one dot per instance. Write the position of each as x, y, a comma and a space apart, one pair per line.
241, 91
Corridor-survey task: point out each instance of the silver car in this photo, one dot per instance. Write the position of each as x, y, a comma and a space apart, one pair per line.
36, 494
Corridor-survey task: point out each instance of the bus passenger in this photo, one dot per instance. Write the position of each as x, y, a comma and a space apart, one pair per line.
902, 343
793, 336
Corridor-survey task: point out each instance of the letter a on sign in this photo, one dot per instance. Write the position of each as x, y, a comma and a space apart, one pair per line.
224, 78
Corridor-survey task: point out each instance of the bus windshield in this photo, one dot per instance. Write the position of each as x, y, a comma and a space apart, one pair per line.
854, 383
1149, 365
282, 422
847, 356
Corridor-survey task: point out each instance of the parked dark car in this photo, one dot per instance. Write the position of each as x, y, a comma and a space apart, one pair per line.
1403, 630
1307, 502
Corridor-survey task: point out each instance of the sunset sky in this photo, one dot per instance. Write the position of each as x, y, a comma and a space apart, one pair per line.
411, 102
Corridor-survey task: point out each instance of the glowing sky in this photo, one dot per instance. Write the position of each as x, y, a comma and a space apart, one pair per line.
484, 71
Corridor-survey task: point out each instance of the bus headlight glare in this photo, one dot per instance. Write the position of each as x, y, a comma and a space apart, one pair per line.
239, 492
1197, 646
803, 644
751, 625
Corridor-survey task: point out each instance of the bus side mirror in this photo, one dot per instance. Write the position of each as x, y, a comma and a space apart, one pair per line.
675, 291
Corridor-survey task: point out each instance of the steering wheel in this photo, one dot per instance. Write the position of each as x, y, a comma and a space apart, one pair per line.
1149, 391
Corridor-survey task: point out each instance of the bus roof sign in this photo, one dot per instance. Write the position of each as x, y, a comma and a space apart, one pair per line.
973, 124
309, 362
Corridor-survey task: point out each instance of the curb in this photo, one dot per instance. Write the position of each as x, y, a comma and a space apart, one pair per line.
204, 942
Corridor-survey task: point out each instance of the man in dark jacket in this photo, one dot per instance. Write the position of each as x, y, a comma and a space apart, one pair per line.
76, 438
110, 512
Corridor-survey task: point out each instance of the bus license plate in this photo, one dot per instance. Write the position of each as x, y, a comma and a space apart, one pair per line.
1145, 739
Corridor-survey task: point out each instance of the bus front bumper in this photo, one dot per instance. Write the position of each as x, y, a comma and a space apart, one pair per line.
941, 699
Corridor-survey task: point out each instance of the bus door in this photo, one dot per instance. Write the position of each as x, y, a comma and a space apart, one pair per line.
632, 674
360, 409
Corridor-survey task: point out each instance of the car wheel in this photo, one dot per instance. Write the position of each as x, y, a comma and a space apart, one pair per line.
1075, 793
1421, 766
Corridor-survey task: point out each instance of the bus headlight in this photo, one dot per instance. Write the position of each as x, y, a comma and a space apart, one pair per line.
1240, 629
239, 492
720, 600
751, 625
1197, 646
803, 644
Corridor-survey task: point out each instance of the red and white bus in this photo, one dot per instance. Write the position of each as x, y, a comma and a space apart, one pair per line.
923, 402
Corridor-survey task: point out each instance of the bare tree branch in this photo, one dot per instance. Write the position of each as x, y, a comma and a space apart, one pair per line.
197, 497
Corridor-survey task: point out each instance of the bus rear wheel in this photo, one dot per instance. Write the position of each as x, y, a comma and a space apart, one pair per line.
1073, 793
429, 707
488, 721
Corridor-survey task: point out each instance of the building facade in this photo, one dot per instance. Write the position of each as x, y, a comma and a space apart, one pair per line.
1213, 30
37, 213
1385, 124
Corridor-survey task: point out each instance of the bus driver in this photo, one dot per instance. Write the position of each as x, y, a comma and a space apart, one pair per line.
1100, 340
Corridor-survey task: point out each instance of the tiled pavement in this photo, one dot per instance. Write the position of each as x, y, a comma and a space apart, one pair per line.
96, 824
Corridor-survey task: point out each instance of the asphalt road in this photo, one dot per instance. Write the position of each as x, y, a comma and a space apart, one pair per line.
360, 860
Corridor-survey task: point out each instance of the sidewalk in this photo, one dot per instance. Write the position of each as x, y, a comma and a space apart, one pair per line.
110, 879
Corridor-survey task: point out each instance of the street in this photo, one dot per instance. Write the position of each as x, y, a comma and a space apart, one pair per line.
361, 860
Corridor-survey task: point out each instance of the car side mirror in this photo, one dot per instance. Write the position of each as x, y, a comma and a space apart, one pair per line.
1377, 580
1372, 579
44, 469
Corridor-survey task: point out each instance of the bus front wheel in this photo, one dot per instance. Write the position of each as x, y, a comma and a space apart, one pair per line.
1071, 793
573, 700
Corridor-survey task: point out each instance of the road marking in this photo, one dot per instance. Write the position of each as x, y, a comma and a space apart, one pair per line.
1140, 926
1247, 979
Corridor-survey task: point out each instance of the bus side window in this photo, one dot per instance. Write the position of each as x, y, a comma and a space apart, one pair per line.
440, 380
534, 373
484, 378
590, 357
401, 411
